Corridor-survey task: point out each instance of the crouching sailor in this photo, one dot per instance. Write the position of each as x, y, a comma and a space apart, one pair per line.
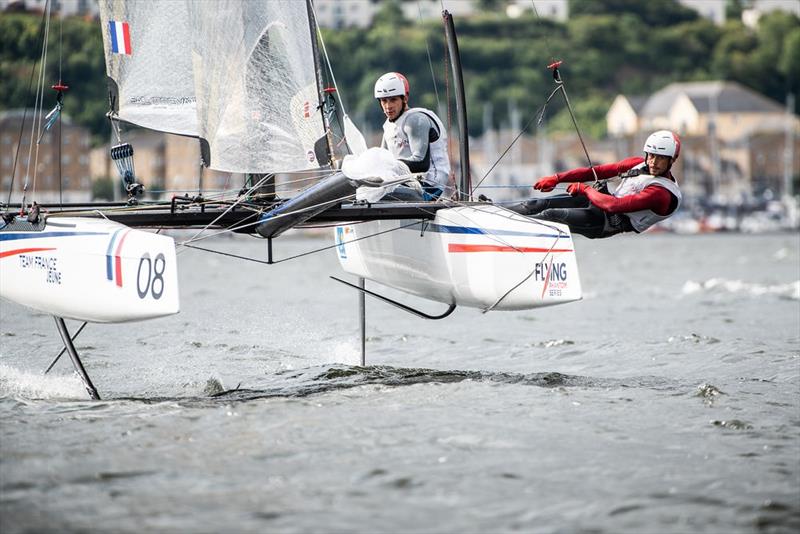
415, 136
647, 194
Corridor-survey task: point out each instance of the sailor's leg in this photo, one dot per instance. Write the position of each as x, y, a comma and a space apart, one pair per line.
589, 222
404, 193
537, 205
76, 361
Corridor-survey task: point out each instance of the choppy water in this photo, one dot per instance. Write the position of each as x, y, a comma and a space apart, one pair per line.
668, 400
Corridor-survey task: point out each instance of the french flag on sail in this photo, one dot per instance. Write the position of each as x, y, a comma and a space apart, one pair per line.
120, 37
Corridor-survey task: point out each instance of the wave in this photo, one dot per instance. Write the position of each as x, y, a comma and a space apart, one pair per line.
789, 291
313, 381
316, 381
35, 385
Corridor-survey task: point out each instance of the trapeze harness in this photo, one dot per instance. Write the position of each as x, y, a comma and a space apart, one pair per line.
422, 145
586, 219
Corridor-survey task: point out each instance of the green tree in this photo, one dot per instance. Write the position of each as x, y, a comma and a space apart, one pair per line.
74, 57
789, 63
490, 5
660, 13
103, 189
390, 14
733, 9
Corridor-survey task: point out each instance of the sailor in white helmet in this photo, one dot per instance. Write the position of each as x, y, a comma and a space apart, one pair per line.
415, 136
648, 192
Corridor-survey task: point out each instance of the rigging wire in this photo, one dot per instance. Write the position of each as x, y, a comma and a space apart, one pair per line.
557, 78
430, 60
559, 87
24, 117
36, 127
240, 199
539, 117
327, 59
60, 122
302, 254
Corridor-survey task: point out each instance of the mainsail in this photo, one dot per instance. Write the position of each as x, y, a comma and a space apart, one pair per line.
239, 75
149, 64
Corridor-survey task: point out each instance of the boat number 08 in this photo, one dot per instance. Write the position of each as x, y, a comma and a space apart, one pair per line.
153, 280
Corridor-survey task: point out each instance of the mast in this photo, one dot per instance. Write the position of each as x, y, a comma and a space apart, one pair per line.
465, 183
312, 26
788, 148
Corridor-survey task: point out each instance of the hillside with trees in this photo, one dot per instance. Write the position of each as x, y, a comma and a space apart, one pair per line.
608, 47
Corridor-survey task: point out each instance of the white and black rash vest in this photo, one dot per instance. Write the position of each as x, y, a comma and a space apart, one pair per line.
419, 139
643, 219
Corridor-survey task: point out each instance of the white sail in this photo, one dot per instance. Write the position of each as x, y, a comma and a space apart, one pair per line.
238, 74
148, 56
256, 89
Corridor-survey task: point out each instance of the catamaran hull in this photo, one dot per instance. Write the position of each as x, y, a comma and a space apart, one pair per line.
484, 257
89, 269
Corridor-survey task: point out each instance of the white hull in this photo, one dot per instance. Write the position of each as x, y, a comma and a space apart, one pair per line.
90, 270
484, 257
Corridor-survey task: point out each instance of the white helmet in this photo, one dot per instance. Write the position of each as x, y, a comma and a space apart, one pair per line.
664, 143
391, 84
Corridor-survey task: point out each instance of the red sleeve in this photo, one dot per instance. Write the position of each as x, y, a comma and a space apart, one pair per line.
654, 198
607, 170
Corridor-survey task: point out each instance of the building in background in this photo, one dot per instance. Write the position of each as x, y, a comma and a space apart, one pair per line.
55, 164
167, 165
735, 139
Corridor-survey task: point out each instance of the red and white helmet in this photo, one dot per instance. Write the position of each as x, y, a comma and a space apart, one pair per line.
664, 143
391, 84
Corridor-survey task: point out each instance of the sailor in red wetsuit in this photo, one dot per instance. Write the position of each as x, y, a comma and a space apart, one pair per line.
647, 194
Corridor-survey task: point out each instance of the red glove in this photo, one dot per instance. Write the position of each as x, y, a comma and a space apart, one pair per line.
577, 188
547, 183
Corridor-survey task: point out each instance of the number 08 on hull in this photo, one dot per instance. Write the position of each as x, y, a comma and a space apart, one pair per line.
89, 269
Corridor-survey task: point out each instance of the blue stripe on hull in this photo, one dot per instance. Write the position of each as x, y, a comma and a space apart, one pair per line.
36, 235
449, 229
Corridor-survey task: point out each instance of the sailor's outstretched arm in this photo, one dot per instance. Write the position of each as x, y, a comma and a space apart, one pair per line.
584, 174
653, 198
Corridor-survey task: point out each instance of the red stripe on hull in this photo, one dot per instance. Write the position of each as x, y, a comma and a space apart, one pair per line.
457, 247
118, 260
22, 251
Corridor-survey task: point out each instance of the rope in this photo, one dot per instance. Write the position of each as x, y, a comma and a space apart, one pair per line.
302, 254
258, 184
37, 111
327, 59
507, 293
560, 83
24, 118
540, 116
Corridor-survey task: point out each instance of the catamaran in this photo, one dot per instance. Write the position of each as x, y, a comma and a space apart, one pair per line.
246, 80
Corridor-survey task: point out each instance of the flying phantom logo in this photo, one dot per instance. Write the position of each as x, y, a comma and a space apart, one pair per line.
554, 276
